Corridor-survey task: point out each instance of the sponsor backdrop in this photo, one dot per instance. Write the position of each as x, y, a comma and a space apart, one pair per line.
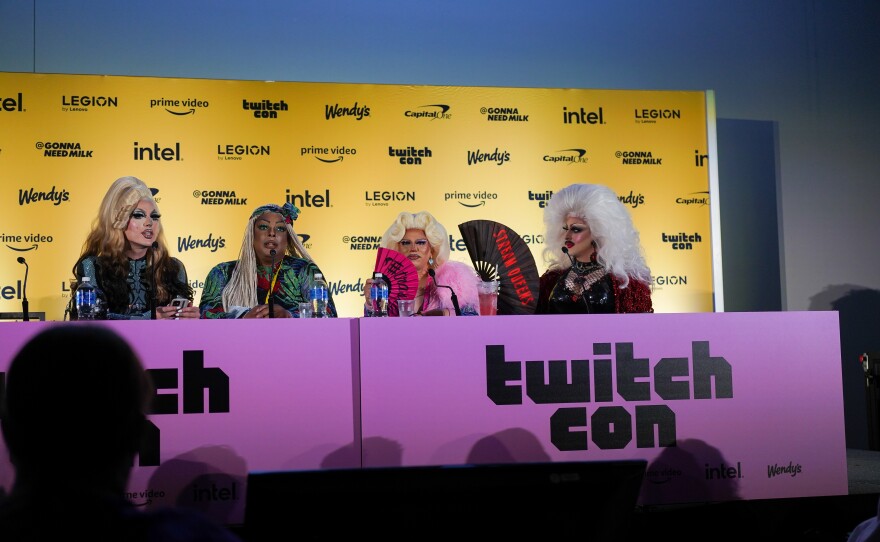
351, 156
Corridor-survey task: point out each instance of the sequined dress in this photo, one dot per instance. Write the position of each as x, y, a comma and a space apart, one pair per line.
586, 288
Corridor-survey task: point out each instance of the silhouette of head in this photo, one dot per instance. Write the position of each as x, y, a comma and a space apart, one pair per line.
74, 406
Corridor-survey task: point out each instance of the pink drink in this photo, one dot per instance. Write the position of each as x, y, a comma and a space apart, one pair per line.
488, 304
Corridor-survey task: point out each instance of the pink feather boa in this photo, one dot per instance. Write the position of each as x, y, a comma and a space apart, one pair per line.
463, 280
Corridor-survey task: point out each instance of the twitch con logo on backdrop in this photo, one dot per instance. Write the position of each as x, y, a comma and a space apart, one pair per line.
265, 108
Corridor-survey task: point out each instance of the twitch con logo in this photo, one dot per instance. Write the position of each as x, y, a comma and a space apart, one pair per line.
430, 112
633, 422
264, 109
542, 198
681, 240
410, 156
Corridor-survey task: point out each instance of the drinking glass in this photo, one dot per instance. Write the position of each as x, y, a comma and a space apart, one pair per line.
305, 310
406, 307
488, 292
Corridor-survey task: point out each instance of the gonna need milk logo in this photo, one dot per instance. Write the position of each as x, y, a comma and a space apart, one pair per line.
613, 375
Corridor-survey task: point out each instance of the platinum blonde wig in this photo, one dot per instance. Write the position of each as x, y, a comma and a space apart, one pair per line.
618, 247
423, 220
242, 288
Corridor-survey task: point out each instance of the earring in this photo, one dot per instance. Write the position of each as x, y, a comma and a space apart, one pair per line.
595, 252
431, 261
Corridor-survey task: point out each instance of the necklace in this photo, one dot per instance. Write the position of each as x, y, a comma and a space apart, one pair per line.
583, 275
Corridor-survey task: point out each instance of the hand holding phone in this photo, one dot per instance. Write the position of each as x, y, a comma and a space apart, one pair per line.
180, 302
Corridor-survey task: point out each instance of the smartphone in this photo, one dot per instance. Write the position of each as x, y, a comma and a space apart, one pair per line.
180, 302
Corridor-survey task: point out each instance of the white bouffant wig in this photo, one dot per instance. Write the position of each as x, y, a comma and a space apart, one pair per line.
423, 220
618, 247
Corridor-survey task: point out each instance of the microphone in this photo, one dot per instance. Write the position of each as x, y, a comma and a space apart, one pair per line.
570, 258
25, 315
454, 298
153, 300
271, 284
583, 290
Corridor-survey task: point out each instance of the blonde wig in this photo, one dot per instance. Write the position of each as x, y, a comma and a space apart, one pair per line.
242, 288
423, 220
618, 247
107, 243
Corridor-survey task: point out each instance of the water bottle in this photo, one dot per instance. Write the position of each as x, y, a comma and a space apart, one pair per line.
86, 300
379, 295
318, 296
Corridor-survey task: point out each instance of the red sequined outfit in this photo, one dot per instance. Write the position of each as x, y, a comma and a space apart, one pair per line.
636, 297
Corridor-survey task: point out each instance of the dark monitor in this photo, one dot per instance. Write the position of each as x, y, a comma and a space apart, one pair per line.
592, 500
19, 316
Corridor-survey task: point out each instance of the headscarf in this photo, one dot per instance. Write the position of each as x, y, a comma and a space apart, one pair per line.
289, 211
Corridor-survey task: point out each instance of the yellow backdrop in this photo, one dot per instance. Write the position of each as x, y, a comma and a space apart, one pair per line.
351, 156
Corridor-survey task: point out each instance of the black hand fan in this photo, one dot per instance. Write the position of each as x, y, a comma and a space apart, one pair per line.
401, 275
499, 253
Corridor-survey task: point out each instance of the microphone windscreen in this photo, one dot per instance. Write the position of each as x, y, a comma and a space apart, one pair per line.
21, 259
155, 245
272, 253
565, 250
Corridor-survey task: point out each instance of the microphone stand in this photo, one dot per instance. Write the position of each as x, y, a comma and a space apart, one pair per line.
153, 300
271, 284
452, 292
25, 313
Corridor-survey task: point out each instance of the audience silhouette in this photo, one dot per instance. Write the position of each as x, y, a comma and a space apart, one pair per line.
73, 415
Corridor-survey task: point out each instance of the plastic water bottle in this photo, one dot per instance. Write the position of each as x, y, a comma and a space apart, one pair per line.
86, 300
379, 295
318, 296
